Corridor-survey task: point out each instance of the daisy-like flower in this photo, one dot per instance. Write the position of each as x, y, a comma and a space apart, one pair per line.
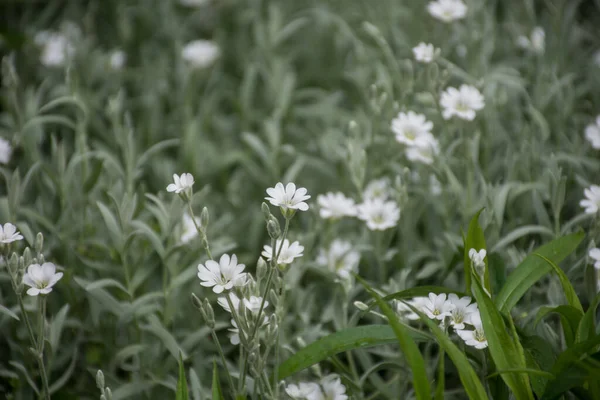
536, 43
409, 127
424, 150
462, 102
424, 52
340, 258
447, 10
592, 200
404, 311
287, 254
223, 275
41, 278
189, 229
222, 301
5, 151
56, 48
377, 189
475, 338
335, 205
462, 311
304, 391
288, 197
438, 307
9, 233
117, 59
379, 214
592, 134
594, 254
200, 53
181, 183
478, 257
333, 388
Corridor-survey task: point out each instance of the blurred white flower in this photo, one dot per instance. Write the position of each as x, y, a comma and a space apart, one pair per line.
475, 338
404, 311
235, 301
447, 10
462, 102
304, 391
41, 278
335, 205
409, 127
423, 150
462, 311
477, 257
9, 233
181, 183
5, 151
379, 214
287, 254
193, 3
536, 43
377, 189
200, 53
288, 197
435, 187
340, 258
234, 337
595, 255
56, 48
117, 59
437, 306
592, 200
189, 228
424, 52
592, 133
223, 275
333, 388
253, 304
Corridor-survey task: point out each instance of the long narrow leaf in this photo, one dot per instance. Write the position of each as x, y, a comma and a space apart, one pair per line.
182, 389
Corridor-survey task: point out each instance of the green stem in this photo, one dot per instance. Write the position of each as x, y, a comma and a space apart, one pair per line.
220, 351
200, 231
40, 346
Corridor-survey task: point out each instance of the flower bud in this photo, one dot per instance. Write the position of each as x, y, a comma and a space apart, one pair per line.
41, 259
266, 211
13, 263
273, 298
39, 243
204, 218
100, 379
196, 302
210, 314
273, 228
261, 269
20, 286
361, 306
27, 256
108, 393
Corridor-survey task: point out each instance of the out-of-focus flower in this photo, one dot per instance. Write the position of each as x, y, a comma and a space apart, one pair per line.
335, 205
424, 149
333, 388
223, 275
235, 301
253, 304
437, 306
462, 102
404, 311
41, 278
536, 43
9, 233
117, 59
304, 391
409, 127
462, 311
592, 200
200, 53
287, 254
288, 197
475, 338
56, 48
592, 134
447, 10
189, 228
595, 255
340, 258
477, 257
379, 214
424, 52
181, 183
377, 189
5, 151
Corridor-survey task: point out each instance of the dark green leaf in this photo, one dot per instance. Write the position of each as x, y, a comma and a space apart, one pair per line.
182, 389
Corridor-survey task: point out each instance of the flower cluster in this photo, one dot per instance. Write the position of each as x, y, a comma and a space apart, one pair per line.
414, 131
536, 43
329, 387
463, 102
424, 52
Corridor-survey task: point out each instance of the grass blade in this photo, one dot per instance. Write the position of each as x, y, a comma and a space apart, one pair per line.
182, 389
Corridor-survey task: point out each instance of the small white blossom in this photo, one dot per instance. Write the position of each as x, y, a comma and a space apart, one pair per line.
41, 278
424, 52
235, 301
335, 205
9, 233
253, 304
288, 197
377, 189
181, 183
592, 200
340, 258
223, 275
234, 337
5, 151
462, 102
379, 214
404, 311
200, 53
56, 48
437, 307
424, 150
536, 43
595, 255
478, 257
287, 254
117, 59
304, 391
189, 228
462, 311
475, 338
447, 10
333, 388
592, 134
409, 127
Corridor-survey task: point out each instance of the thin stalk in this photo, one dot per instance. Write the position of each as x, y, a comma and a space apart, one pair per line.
200, 231
220, 351
40, 346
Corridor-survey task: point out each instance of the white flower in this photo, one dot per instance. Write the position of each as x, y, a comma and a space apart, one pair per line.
424, 52
9, 233
304, 391
592, 134
193, 3
235, 301
335, 205
536, 43
447, 10
437, 307
117, 59
56, 48
182, 183
406, 312
200, 53
592, 200
253, 304
377, 189
379, 214
462, 102
234, 338
340, 258
287, 254
41, 278
189, 228
477, 257
288, 197
462, 311
595, 255
408, 127
475, 338
5, 151
435, 187
223, 275
424, 149
333, 388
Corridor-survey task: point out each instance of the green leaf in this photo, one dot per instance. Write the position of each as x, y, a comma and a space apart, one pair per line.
475, 240
217, 393
533, 268
9, 312
182, 390
568, 289
587, 326
570, 318
344, 340
407, 345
